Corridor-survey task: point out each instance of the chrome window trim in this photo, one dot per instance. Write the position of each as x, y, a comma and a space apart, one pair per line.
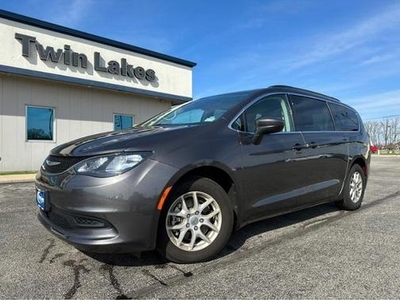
338, 102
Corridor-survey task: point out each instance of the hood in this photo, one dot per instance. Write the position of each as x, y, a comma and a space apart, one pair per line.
134, 139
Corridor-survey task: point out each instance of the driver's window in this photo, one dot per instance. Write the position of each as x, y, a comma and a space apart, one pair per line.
275, 106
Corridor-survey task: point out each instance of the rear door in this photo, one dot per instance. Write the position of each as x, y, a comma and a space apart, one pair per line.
347, 124
326, 152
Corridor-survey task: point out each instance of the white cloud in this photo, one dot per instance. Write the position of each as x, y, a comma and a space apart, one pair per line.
363, 53
378, 99
377, 105
327, 47
70, 13
257, 14
380, 58
154, 42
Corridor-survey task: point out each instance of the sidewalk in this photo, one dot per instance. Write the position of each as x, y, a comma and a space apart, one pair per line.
17, 178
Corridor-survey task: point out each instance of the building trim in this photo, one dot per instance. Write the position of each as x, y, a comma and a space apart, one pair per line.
87, 36
91, 83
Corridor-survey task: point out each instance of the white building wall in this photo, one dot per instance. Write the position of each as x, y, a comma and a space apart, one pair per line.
85, 96
79, 111
172, 78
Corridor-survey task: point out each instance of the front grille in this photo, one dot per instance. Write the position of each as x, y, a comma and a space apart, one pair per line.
59, 220
67, 221
88, 222
59, 164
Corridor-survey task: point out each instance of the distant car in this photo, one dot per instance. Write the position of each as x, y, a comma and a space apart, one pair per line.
373, 148
183, 180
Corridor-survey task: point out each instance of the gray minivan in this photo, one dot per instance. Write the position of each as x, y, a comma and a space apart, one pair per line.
183, 180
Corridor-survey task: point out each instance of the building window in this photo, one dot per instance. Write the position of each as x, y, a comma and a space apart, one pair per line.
122, 121
40, 123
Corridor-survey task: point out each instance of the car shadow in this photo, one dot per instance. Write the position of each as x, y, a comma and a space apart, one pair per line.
240, 236
236, 241
148, 258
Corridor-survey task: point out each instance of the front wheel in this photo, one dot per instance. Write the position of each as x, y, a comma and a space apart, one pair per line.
196, 222
353, 192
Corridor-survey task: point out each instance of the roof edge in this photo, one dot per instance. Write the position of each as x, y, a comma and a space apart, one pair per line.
95, 38
293, 89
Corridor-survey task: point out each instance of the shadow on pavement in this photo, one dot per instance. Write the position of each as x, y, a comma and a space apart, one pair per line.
237, 240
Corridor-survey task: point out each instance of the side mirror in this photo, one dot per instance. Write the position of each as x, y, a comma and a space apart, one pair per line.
265, 126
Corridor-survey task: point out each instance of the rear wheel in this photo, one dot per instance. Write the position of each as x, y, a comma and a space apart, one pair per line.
196, 222
354, 188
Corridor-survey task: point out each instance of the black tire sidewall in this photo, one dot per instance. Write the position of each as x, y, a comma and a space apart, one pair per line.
208, 186
347, 203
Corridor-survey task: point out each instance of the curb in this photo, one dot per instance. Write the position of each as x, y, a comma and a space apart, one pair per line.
21, 178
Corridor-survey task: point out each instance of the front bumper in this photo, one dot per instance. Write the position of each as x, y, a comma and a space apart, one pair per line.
108, 215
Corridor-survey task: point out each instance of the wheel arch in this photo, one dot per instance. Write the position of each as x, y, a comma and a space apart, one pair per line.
362, 163
215, 173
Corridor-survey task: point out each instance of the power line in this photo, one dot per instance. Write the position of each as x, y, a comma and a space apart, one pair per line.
383, 117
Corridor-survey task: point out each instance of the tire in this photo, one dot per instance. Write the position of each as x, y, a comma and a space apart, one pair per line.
190, 233
353, 192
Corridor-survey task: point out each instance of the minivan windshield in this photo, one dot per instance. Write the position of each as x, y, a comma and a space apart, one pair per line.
204, 110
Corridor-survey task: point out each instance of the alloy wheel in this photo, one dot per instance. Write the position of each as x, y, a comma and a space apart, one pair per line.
356, 187
193, 221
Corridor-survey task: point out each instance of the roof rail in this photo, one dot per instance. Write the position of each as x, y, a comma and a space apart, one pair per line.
304, 91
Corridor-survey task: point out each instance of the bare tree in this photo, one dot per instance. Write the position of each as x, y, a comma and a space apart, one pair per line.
394, 130
373, 131
385, 126
384, 133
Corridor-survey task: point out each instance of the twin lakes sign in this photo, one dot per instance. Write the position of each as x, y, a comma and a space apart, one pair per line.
68, 57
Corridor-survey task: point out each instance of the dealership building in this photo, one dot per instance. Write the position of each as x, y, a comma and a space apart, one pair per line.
58, 84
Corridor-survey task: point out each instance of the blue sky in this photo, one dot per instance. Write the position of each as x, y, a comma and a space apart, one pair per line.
346, 49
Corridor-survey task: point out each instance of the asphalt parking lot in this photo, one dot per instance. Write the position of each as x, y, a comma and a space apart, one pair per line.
316, 253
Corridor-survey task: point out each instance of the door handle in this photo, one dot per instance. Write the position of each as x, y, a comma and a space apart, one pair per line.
313, 145
298, 147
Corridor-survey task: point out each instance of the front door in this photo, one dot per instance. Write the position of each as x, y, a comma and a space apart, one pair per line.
274, 171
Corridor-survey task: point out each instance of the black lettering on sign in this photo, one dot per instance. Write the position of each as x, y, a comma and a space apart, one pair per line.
69, 57
140, 73
48, 53
98, 66
113, 67
150, 75
26, 40
79, 57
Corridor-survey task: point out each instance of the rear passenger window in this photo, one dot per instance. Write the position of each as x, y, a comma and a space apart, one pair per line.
345, 119
311, 114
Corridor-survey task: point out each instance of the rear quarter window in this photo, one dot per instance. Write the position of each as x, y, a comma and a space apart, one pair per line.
311, 114
345, 119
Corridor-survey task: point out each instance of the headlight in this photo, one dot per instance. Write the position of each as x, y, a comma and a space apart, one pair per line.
110, 165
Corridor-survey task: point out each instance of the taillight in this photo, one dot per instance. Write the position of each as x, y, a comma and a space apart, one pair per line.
373, 148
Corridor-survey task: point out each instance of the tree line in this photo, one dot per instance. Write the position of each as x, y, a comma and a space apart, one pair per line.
384, 133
